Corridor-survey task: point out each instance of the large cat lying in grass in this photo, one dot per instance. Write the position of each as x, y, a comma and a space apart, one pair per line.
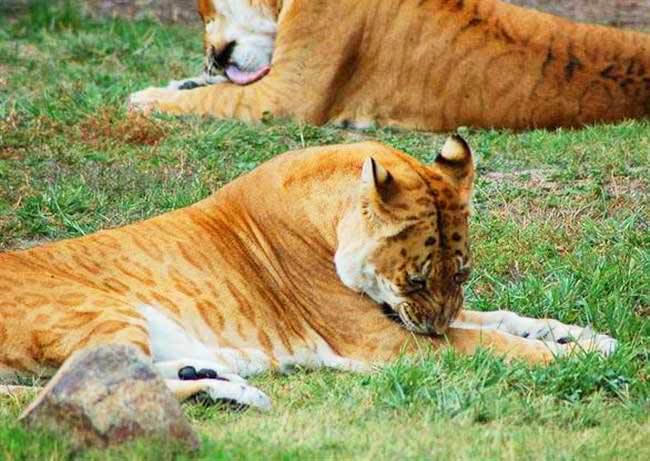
430, 65
338, 256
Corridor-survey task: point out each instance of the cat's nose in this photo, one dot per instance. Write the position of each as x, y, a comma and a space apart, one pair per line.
221, 58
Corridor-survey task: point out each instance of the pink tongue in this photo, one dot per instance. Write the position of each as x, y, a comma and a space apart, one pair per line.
241, 77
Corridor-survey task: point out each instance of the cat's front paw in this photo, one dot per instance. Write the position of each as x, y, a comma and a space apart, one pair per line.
191, 83
148, 100
241, 395
583, 338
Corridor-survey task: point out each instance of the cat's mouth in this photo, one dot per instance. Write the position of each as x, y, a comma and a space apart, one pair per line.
244, 77
223, 63
391, 314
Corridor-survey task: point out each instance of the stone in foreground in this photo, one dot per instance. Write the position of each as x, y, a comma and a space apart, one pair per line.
108, 395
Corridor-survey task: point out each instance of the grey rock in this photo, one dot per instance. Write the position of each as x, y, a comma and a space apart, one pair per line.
108, 395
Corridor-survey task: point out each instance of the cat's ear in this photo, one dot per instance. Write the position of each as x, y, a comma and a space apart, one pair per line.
455, 161
206, 10
375, 184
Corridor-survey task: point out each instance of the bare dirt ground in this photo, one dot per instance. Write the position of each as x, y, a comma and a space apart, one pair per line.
629, 13
634, 13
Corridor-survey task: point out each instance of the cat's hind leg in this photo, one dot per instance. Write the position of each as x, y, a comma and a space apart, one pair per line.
189, 367
220, 390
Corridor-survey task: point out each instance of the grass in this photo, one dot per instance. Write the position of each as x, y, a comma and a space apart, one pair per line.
561, 229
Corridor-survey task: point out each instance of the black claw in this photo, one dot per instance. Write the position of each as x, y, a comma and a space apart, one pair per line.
203, 398
189, 85
207, 373
565, 340
541, 333
188, 374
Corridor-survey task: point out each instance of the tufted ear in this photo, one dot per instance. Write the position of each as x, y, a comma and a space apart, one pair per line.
455, 161
375, 185
206, 9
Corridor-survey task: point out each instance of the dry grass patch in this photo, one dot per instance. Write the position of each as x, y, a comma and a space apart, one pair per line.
109, 128
536, 195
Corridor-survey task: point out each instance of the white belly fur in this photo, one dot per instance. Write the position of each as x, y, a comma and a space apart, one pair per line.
171, 342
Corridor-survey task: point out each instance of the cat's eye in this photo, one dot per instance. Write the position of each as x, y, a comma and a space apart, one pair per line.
461, 277
417, 280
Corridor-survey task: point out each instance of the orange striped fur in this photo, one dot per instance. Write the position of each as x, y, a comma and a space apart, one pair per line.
251, 269
423, 64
